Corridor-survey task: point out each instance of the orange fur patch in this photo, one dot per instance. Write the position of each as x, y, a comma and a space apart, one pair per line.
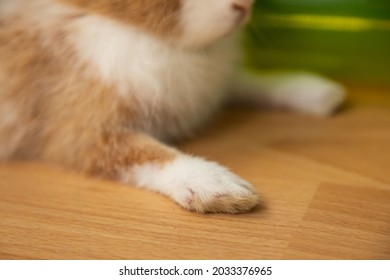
68, 115
156, 16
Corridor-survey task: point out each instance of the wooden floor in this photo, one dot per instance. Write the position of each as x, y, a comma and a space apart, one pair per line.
325, 187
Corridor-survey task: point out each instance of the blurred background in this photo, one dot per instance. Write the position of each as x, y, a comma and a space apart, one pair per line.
344, 39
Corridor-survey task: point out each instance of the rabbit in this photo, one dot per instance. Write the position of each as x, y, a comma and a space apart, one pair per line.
104, 86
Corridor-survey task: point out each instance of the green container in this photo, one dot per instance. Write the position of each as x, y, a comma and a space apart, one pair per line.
344, 39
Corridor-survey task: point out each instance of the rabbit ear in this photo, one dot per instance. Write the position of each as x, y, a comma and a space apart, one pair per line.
160, 17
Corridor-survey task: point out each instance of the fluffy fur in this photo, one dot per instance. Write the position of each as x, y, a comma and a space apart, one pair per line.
100, 85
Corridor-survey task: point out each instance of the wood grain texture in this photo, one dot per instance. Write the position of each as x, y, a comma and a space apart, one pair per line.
325, 187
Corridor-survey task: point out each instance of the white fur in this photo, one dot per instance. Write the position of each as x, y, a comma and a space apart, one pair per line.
191, 181
158, 75
308, 93
301, 92
204, 21
190, 84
